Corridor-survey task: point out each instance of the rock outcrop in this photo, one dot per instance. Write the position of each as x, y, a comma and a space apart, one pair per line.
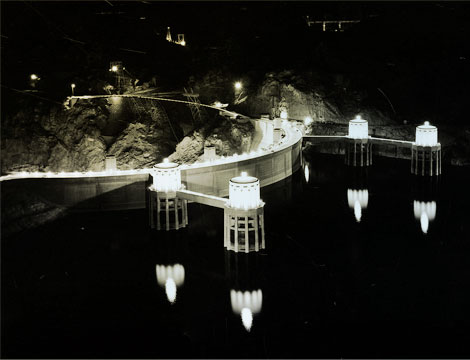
229, 137
54, 139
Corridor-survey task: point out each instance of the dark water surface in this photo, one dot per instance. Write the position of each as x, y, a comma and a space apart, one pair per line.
85, 286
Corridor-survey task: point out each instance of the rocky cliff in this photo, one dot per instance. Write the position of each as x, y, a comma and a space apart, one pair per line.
227, 136
50, 138
309, 94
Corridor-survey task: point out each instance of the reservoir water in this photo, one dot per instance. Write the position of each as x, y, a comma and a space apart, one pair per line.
370, 263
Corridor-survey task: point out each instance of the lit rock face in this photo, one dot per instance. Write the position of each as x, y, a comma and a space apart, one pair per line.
228, 138
189, 149
42, 138
303, 95
288, 97
137, 147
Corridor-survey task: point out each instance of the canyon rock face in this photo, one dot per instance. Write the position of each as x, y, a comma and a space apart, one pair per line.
54, 139
228, 137
302, 95
146, 140
46, 138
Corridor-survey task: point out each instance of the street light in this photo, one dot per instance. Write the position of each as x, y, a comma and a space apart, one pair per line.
73, 87
114, 68
34, 77
238, 85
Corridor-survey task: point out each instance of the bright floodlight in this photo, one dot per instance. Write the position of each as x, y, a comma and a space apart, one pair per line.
244, 192
426, 135
166, 176
308, 120
114, 68
34, 77
358, 128
183, 43
238, 85
72, 86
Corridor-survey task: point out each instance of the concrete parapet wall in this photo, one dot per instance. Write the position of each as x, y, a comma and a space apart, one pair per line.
129, 191
270, 168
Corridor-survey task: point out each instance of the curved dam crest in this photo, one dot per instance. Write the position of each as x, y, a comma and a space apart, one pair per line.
123, 192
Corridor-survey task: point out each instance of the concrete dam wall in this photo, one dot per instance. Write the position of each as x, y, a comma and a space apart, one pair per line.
119, 192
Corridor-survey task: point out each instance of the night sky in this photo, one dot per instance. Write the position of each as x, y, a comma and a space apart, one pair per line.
417, 51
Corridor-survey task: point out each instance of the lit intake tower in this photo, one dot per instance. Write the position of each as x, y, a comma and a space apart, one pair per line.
244, 215
171, 210
358, 148
426, 151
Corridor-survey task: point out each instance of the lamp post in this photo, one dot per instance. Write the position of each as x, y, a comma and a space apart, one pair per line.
34, 80
117, 68
72, 86
238, 91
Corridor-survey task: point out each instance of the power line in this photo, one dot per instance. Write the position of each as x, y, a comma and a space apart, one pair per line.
28, 93
64, 35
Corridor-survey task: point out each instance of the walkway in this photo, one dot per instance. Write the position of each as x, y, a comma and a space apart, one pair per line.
373, 140
229, 113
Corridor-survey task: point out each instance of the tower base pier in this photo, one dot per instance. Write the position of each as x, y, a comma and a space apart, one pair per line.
244, 229
426, 160
167, 211
358, 152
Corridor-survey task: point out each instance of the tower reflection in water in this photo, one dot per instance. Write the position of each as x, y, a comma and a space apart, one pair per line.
425, 193
358, 200
245, 276
358, 194
169, 251
246, 304
170, 277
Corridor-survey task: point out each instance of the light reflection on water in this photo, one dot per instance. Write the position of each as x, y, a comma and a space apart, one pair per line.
358, 201
425, 212
302, 263
170, 277
246, 304
244, 275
